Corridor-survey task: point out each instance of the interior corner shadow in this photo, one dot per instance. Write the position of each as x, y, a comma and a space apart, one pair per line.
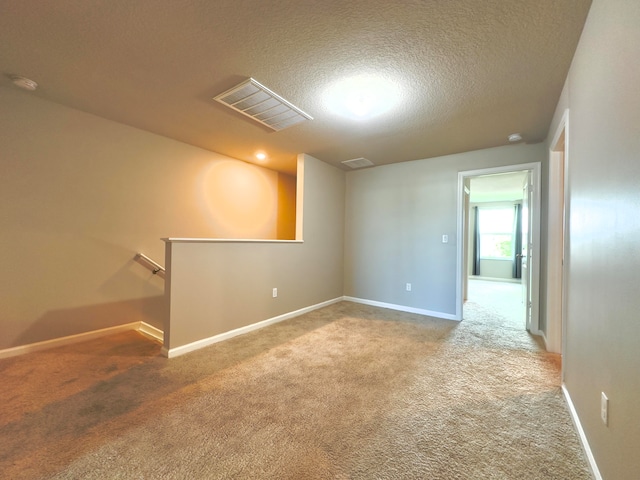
72, 321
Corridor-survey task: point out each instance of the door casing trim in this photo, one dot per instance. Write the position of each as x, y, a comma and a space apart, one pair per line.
535, 168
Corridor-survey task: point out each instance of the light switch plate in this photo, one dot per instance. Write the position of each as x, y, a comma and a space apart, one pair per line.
604, 408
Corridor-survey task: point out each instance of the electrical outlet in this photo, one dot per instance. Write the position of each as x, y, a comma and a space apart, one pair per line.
408, 287
445, 238
604, 408
275, 292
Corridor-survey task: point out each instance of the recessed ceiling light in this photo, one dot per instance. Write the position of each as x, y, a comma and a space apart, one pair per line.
362, 96
261, 156
515, 137
23, 82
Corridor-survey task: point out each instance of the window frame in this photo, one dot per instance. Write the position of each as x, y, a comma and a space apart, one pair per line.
511, 233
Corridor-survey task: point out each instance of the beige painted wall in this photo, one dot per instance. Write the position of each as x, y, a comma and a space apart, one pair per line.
216, 287
286, 228
244, 201
502, 269
602, 351
80, 195
395, 218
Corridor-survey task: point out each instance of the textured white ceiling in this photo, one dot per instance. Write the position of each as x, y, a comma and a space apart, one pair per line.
501, 187
471, 71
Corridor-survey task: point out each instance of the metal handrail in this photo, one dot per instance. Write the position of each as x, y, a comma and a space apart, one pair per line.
155, 267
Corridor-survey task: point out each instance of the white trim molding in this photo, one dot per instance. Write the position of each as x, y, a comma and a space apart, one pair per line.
403, 308
545, 341
536, 169
151, 332
583, 438
142, 327
157, 335
557, 235
205, 342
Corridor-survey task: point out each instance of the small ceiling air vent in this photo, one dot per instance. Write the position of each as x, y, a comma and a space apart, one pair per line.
258, 102
358, 163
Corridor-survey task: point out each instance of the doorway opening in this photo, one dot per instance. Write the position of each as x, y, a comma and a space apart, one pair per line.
498, 232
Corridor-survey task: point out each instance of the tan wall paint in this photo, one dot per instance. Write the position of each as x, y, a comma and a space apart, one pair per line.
490, 268
215, 287
241, 200
602, 350
286, 207
80, 195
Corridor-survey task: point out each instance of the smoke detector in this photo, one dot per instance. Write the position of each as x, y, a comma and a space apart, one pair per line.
258, 102
358, 162
515, 137
23, 82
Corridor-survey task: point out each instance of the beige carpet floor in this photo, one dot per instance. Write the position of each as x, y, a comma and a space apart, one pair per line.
345, 392
503, 298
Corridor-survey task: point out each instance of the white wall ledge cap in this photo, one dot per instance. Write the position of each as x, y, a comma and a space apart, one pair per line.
225, 240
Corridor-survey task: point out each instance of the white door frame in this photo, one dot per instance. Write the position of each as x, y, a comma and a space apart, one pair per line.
535, 169
557, 238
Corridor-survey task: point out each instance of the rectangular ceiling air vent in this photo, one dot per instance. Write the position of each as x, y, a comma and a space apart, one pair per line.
358, 163
258, 102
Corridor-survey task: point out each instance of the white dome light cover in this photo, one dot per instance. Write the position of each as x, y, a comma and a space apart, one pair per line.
362, 96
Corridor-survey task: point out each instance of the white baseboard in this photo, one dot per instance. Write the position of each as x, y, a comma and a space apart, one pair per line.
205, 342
152, 332
158, 335
59, 342
142, 327
539, 333
402, 308
583, 438
544, 340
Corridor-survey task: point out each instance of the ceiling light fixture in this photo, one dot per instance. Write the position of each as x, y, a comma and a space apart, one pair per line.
362, 96
261, 156
23, 82
515, 137
258, 102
